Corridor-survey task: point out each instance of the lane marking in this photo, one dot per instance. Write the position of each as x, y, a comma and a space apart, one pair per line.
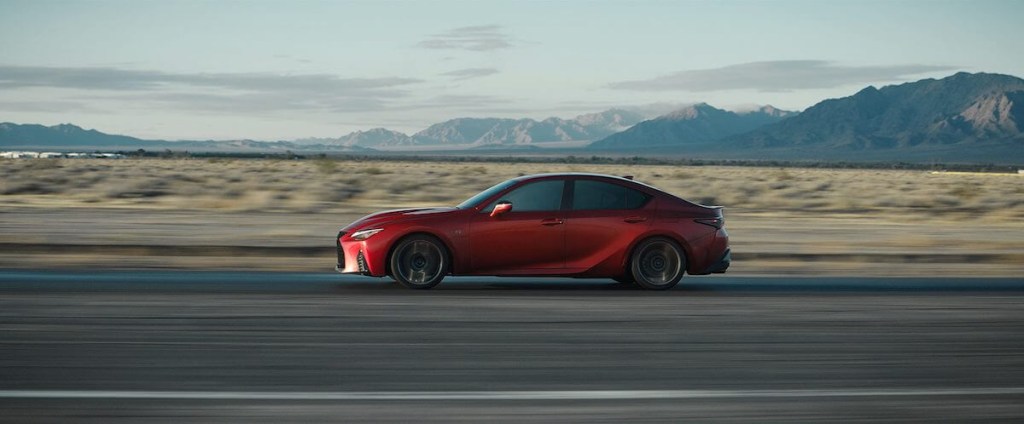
504, 395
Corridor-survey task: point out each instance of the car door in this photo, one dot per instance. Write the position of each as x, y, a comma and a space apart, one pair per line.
529, 239
603, 219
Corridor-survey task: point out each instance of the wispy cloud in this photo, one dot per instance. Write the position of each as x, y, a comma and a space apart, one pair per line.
457, 103
57, 106
781, 75
124, 79
470, 73
473, 38
216, 91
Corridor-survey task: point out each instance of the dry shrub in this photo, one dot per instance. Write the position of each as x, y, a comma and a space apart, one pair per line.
326, 166
683, 175
965, 191
28, 187
140, 189
783, 175
42, 164
373, 170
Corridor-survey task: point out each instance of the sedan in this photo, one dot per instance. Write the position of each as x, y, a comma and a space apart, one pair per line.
569, 225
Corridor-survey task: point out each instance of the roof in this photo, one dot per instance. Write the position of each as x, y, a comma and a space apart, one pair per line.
572, 174
592, 175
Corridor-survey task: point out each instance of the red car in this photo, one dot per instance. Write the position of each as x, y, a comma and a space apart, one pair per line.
576, 225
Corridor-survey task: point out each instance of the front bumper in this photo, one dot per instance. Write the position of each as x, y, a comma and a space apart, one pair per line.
352, 257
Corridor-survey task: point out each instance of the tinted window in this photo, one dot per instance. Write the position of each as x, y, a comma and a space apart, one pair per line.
596, 195
483, 195
538, 196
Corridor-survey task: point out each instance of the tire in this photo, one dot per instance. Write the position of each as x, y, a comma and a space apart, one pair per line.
419, 262
657, 264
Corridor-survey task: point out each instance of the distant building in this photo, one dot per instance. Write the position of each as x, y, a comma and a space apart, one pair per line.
56, 155
19, 155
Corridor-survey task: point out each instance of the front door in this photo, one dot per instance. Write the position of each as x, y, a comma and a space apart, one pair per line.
529, 239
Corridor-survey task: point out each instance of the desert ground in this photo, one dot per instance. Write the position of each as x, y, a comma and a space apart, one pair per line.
235, 213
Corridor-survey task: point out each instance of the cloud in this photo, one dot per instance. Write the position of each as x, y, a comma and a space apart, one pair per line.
780, 75
456, 102
57, 106
473, 38
470, 73
216, 91
124, 79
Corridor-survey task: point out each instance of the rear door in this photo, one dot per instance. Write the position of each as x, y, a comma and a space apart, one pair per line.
603, 219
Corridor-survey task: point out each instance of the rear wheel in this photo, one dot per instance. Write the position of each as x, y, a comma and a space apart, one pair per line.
658, 264
419, 262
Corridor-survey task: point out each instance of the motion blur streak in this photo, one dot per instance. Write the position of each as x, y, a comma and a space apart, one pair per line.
510, 395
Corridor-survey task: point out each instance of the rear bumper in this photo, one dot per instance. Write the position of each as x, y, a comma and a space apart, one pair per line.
722, 264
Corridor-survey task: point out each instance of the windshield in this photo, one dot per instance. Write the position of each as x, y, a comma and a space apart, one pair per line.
483, 195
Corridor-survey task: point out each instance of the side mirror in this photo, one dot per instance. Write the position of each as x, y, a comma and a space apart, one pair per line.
501, 208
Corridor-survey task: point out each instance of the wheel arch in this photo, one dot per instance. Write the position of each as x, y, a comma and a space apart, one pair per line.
683, 244
445, 243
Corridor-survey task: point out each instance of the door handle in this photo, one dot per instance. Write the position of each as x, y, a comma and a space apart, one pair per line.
635, 219
552, 221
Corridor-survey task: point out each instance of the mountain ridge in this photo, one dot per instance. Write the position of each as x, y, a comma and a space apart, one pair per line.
697, 123
960, 109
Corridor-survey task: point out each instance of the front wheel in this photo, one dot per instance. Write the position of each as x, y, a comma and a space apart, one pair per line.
658, 264
419, 262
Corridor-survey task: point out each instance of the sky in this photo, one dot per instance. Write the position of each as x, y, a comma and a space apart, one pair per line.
279, 70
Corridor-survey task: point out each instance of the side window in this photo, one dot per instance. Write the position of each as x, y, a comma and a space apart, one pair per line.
597, 195
538, 196
636, 199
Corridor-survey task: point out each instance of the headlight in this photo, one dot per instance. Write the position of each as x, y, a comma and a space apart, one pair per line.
365, 234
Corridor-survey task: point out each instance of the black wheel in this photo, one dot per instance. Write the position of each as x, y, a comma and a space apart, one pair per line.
419, 262
657, 264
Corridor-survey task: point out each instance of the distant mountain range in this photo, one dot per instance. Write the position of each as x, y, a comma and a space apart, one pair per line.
487, 131
376, 137
63, 136
961, 118
963, 109
700, 123
68, 137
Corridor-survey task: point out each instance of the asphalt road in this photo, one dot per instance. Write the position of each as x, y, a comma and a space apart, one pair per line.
272, 347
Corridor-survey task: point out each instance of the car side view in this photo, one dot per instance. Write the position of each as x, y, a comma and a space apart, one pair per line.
573, 225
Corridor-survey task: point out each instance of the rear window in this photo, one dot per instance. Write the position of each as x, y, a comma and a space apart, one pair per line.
598, 195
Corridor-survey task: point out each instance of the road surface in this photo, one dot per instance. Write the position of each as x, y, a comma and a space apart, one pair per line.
101, 347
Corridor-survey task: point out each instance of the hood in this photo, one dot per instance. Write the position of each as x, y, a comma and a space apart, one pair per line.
381, 218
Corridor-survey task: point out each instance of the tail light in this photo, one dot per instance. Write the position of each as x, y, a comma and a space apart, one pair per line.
712, 222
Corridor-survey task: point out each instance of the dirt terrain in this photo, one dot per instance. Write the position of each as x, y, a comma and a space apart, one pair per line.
235, 214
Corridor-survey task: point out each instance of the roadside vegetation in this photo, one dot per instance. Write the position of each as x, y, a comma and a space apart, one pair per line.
324, 184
